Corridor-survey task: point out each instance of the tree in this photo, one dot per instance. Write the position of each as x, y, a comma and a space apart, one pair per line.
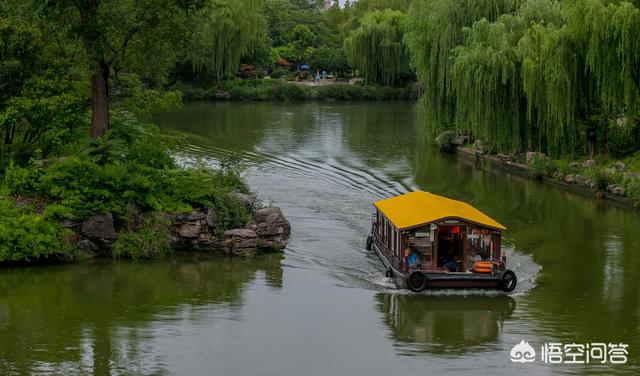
533, 74
329, 59
225, 31
139, 36
376, 48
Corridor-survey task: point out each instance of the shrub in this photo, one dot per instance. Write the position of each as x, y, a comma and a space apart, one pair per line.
286, 92
26, 235
601, 180
279, 73
446, 140
632, 190
540, 166
150, 240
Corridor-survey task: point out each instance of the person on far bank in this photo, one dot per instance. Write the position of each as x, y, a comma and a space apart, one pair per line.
317, 77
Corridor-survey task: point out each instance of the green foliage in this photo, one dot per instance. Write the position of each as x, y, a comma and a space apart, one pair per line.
376, 47
530, 75
279, 73
26, 235
226, 31
445, 141
131, 165
601, 179
149, 240
540, 165
329, 59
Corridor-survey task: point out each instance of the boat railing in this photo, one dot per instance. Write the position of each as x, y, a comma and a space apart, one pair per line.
392, 257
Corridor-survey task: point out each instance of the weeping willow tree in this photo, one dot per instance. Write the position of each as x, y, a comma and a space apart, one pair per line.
579, 78
435, 29
536, 74
227, 31
486, 84
614, 53
376, 48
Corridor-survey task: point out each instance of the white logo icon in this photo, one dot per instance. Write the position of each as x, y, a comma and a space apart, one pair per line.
523, 353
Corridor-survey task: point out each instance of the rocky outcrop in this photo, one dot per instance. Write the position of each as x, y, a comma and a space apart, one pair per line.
193, 230
196, 230
241, 242
94, 235
272, 228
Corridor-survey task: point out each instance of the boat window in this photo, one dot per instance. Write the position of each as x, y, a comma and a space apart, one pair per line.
480, 242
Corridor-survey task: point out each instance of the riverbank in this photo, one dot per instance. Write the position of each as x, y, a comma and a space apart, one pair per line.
123, 196
608, 179
279, 90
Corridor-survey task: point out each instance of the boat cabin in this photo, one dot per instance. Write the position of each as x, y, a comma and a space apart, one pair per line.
421, 231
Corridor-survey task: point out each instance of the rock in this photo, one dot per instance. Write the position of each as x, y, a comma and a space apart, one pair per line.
222, 95
618, 191
247, 199
272, 228
579, 179
86, 245
558, 175
610, 170
99, 226
212, 217
503, 157
478, 146
575, 164
569, 179
621, 166
192, 230
589, 163
241, 242
590, 183
610, 188
461, 140
531, 155
189, 230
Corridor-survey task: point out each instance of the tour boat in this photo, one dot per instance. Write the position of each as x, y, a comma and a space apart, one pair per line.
429, 241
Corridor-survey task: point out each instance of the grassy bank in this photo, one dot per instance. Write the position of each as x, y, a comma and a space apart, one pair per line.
277, 90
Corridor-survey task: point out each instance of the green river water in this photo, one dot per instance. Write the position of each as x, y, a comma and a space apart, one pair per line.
324, 307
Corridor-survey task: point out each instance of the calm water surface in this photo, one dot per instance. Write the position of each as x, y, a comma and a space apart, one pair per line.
324, 307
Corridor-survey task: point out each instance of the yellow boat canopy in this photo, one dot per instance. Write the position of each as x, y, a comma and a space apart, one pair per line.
419, 208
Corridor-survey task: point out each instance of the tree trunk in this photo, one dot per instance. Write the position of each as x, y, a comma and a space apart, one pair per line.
99, 99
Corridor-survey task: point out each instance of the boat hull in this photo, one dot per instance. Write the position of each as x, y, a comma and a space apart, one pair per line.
442, 280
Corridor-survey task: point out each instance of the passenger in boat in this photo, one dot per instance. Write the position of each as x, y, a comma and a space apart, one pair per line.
410, 257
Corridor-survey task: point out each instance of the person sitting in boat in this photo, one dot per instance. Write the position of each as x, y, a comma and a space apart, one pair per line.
450, 262
410, 257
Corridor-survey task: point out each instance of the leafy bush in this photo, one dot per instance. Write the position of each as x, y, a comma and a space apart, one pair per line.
138, 171
286, 92
541, 166
632, 190
446, 140
26, 235
601, 180
148, 241
279, 73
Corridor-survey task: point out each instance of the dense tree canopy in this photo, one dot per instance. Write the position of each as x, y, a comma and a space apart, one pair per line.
376, 47
555, 76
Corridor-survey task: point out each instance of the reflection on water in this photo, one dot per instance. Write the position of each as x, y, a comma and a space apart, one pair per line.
75, 318
329, 309
444, 324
